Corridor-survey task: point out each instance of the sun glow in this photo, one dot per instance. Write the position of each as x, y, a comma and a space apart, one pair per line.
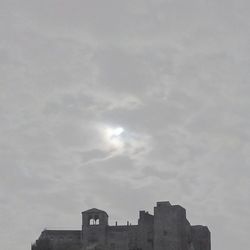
114, 132
114, 136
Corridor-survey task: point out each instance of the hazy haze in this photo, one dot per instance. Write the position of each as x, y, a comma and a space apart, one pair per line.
173, 74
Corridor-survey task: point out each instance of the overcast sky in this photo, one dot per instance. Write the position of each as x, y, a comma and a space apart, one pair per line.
174, 74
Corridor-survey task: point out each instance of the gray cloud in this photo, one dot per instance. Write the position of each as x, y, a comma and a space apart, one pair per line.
173, 74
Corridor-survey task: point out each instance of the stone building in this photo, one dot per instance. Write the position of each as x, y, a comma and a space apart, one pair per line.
166, 229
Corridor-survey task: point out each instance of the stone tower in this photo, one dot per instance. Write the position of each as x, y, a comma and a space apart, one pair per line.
171, 228
94, 224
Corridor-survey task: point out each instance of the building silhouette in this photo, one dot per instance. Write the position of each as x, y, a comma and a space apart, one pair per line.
166, 229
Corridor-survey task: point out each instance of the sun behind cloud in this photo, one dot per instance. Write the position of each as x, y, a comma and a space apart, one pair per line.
113, 137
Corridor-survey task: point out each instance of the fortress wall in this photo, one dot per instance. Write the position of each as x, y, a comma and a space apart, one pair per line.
58, 240
201, 237
122, 237
171, 229
61, 235
145, 231
167, 229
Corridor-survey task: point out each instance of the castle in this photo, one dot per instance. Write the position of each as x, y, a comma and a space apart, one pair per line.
167, 229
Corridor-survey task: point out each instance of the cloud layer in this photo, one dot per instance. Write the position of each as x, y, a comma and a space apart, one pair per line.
174, 74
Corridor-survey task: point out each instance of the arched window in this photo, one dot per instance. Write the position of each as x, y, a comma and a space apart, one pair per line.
91, 221
97, 220
94, 220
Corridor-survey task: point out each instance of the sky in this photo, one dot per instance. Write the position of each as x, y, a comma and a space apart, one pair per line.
120, 104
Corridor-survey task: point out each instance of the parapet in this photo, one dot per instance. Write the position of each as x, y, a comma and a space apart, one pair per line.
163, 204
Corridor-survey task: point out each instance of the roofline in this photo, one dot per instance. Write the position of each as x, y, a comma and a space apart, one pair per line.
95, 210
